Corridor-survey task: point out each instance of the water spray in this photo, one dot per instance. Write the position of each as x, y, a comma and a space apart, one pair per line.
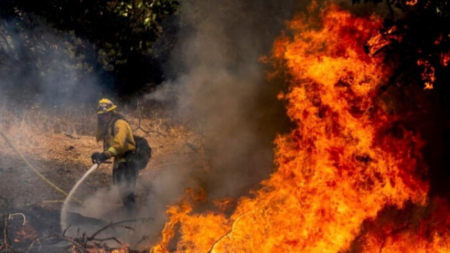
67, 200
69, 195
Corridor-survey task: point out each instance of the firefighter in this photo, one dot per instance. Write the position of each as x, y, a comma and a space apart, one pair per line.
118, 142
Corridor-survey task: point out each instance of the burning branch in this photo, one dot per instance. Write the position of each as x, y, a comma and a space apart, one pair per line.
376, 43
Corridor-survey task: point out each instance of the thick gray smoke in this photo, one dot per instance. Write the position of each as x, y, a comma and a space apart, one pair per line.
221, 87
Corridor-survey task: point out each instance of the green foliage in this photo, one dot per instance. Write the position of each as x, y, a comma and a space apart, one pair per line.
113, 35
143, 23
119, 29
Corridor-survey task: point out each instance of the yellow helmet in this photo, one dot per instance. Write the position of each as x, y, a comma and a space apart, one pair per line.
105, 105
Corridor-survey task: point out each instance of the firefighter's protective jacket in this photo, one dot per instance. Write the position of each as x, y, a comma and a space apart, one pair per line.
119, 140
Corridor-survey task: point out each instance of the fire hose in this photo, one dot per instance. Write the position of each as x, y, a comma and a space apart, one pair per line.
36, 171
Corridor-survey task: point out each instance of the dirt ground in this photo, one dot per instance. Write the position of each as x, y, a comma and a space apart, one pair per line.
63, 157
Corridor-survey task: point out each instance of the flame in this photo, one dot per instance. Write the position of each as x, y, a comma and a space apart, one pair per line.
427, 74
444, 59
411, 2
424, 229
383, 39
338, 171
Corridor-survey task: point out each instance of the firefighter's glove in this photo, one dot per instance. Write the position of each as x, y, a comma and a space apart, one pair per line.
98, 157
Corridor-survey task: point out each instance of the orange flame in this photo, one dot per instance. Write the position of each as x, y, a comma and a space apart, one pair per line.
444, 59
427, 73
344, 163
411, 2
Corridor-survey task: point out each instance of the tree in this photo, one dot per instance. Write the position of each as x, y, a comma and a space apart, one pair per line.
114, 38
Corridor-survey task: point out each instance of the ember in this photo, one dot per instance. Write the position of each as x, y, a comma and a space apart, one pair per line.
427, 74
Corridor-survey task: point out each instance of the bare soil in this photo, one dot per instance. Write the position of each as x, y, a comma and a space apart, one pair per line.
63, 157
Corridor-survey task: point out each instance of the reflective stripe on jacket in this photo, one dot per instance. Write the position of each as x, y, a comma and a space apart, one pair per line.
119, 140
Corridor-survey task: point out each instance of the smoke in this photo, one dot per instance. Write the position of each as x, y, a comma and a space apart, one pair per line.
217, 86
221, 89
41, 65
46, 77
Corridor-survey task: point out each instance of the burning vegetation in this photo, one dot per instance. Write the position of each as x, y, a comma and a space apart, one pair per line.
351, 176
360, 171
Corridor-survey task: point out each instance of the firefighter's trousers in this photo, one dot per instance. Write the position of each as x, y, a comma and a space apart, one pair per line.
124, 176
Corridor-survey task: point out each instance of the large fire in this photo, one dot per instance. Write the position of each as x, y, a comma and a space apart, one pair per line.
350, 177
